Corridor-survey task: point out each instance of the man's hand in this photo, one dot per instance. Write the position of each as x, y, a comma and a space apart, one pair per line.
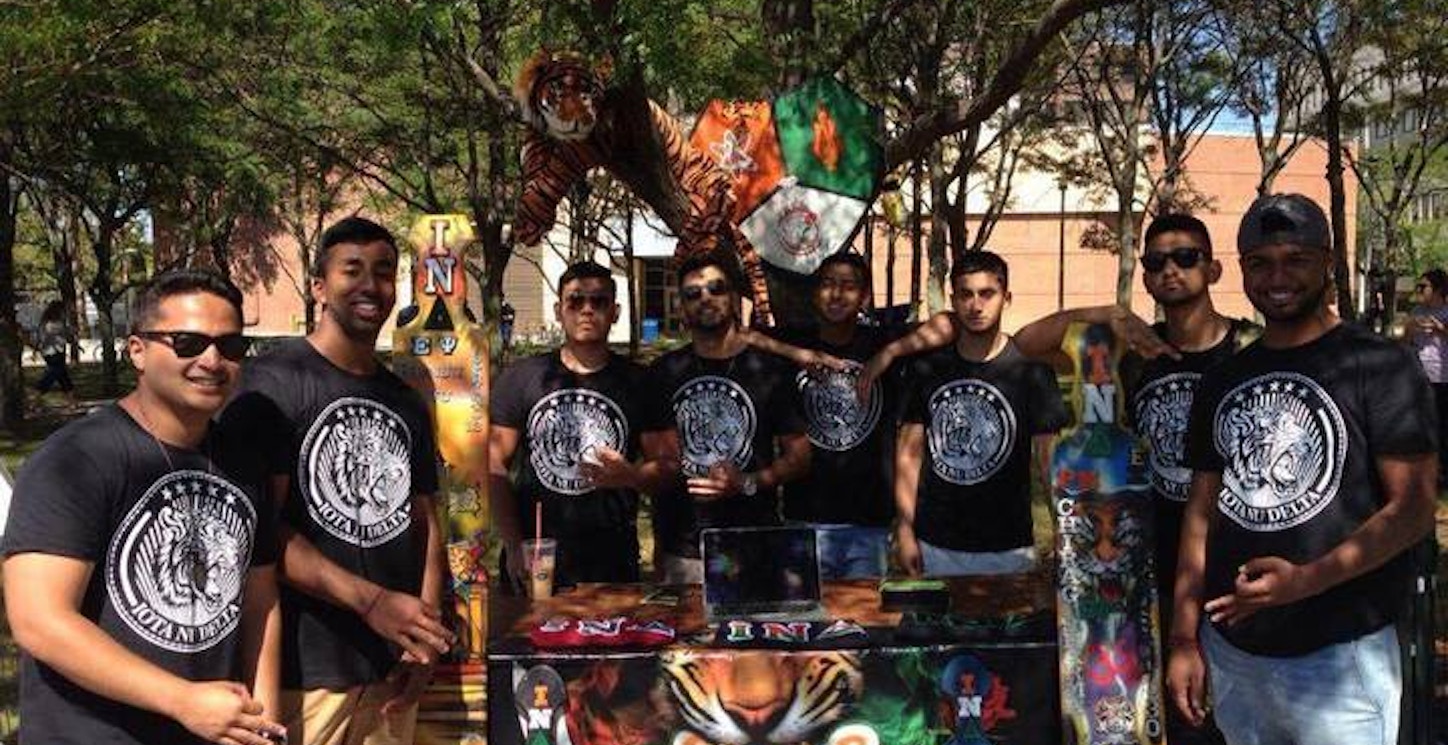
1186, 678
873, 369
1139, 336
408, 680
606, 468
724, 480
409, 623
221, 711
814, 361
907, 548
1262, 583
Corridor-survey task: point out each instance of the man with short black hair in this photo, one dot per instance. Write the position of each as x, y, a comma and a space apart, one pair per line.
354, 464
974, 413
140, 548
845, 495
594, 433
1313, 459
734, 407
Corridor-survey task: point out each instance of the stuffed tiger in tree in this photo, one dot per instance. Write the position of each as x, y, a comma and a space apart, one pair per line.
572, 130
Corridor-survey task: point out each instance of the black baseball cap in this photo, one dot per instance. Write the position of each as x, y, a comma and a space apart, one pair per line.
1284, 218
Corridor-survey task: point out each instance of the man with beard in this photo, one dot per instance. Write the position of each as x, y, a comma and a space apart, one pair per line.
733, 407
973, 414
140, 548
1160, 376
1313, 464
594, 434
353, 454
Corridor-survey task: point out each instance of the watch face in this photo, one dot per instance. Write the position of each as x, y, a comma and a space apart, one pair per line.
750, 486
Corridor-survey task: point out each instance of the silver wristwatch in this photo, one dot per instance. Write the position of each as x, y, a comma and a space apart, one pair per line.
750, 487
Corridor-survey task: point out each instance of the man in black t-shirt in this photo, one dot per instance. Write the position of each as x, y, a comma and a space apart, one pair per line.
354, 464
734, 408
593, 433
845, 495
140, 549
973, 412
1313, 470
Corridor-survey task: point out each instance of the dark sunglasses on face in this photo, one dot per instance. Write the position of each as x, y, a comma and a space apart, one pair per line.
1185, 257
188, 344
576, 300
716, 288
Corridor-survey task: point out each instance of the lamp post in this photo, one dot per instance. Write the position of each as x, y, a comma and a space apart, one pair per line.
1061, 251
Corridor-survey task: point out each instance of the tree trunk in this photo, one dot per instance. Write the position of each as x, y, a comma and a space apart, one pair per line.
1341, 270
103, 294
12, 382
938, 257
1126, 258
917, 206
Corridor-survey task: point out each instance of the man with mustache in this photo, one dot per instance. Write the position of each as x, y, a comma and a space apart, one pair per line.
1294, 539
734, 408
140, 548
594, 434
362, 563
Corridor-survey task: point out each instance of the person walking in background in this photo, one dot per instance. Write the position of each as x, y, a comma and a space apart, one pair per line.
1427, 332
53, 338
506, 315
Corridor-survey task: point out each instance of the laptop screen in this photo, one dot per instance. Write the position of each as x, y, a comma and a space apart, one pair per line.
755, 569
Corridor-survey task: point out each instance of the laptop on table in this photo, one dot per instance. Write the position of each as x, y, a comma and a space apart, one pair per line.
765, 574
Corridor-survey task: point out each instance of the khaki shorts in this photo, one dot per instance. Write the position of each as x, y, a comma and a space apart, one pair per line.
351, 716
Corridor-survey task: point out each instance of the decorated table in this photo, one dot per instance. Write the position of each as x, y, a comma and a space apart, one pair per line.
597, 665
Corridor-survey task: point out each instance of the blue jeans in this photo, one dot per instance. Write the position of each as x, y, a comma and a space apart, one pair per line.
851, 551
1345, 694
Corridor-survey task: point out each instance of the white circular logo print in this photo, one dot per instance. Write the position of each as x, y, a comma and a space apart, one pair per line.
972, 431
357, 472
177, 565
836, 418
716, 423
1162, 410
564, 428
1283, 442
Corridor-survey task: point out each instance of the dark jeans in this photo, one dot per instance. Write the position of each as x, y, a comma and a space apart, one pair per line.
1440, 399
56, 374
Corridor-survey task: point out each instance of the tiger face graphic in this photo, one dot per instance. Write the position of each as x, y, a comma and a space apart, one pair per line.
756, 696
355, 472
560, 94
177, 565
564, 428
1283, 441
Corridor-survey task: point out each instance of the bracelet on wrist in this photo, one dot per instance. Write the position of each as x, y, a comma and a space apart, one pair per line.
1182, 642
373, 603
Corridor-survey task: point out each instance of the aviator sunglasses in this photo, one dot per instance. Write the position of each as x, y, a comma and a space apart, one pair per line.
576, 300
716, 288
1185, 257
188, 344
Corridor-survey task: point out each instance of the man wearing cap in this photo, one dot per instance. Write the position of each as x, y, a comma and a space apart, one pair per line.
1313, 469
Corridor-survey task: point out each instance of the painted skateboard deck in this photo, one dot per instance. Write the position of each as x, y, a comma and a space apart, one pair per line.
444, 354
1106, 590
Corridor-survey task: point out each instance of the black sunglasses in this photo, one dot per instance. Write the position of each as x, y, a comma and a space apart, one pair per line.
188, 344
1185, 257
716, 288
576, 300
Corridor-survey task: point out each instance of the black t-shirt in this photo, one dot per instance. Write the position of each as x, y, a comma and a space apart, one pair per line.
979, 417
730, 409
1295, 434
1161, 391
171, 544
356, 448
852, 441
561, 416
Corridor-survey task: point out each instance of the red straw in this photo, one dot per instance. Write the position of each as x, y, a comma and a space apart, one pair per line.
537, 531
